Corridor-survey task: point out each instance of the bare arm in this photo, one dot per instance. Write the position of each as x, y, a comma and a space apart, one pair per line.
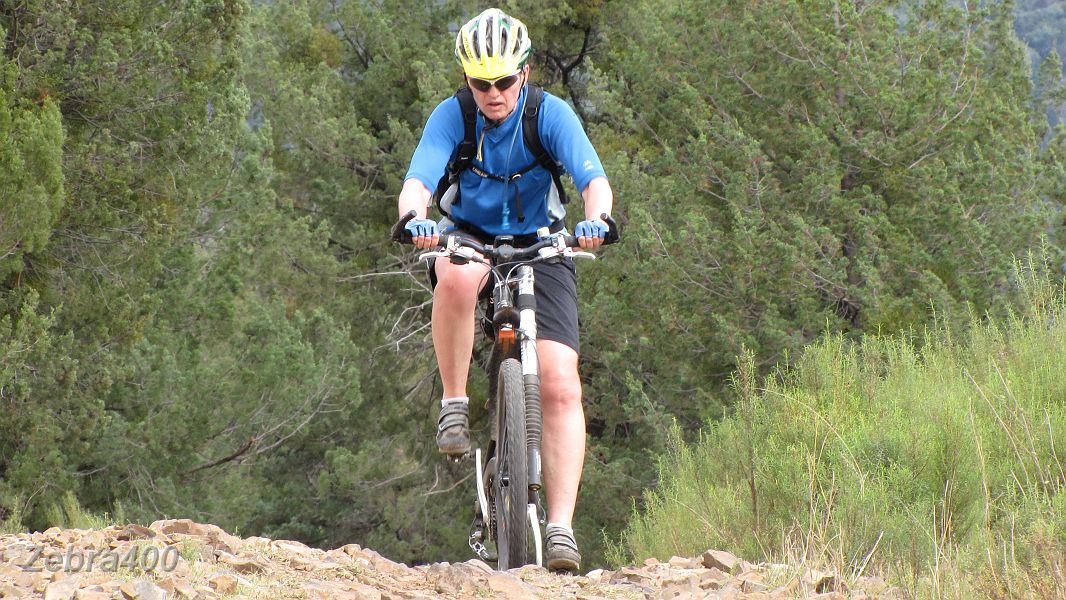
414, 196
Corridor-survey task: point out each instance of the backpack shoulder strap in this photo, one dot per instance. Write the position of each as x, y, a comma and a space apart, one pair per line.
531, 137
469, 109
464, 154
530, 125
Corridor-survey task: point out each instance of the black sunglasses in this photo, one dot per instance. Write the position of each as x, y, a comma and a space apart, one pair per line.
501, 83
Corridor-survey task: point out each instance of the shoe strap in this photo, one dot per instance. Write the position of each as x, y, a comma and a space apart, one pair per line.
560, 537
453, 414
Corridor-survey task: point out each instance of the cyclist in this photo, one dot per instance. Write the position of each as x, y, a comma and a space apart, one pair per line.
488, 200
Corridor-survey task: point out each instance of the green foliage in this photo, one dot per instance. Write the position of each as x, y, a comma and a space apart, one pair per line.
837, 167
909, 456
39, 455
1042, 24
30, 172
146, 99
68, 513
12, 517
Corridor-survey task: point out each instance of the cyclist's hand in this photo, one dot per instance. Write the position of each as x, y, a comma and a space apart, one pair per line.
590, 233
423, 232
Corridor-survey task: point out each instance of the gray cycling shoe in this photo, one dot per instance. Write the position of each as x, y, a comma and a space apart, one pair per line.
562, 554
453, 429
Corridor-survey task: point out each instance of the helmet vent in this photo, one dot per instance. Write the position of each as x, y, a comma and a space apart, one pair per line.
492, 45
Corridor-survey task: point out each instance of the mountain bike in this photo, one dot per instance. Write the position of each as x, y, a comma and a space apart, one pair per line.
508, 473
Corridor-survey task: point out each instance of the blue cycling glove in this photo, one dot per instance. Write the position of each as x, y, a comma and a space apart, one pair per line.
421, 228
593, 228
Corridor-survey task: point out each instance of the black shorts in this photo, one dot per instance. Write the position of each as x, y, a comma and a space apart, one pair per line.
555, 286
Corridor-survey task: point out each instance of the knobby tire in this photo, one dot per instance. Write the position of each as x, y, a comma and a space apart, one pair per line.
512, 474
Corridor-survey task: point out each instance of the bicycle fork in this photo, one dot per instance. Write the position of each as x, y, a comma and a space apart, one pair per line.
525, 302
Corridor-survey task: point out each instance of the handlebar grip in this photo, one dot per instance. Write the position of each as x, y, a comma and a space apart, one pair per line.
399, 233
612, 236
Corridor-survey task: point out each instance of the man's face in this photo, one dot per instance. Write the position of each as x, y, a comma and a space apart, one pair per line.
495, 103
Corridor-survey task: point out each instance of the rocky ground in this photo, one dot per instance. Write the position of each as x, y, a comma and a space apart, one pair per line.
183, 559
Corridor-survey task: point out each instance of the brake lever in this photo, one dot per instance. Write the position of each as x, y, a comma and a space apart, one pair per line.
560, 249
463, 255
454, 252
434, 254
579, 254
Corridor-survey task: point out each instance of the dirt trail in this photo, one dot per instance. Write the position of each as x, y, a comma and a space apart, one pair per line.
184, 559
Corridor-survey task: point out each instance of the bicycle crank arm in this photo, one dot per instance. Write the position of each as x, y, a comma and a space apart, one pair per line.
482, 499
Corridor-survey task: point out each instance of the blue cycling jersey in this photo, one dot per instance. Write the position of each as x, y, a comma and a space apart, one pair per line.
491, 205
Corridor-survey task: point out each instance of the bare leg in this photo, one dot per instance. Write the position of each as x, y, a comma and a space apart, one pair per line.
563, 448
454, 300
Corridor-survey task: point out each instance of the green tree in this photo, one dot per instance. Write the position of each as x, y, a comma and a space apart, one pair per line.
787, 169
35, 374
31, 175
45, 425
325, 95
145, 94
1042, 24
803, 167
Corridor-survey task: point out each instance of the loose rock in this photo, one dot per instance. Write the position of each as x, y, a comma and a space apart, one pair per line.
211, 564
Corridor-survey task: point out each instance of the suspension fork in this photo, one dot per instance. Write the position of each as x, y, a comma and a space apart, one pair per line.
525, 302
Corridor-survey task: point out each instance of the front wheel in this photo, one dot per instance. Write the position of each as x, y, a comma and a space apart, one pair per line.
511, 483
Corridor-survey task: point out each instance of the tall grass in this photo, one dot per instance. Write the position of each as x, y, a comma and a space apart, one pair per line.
939, 463
69, 513
11, 519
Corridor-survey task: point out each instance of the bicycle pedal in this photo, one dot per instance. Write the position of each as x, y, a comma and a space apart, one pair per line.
458, 458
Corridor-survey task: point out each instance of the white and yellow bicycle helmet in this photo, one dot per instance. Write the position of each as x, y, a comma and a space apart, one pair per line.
492, 45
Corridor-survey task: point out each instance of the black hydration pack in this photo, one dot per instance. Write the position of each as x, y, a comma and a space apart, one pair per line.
447, 193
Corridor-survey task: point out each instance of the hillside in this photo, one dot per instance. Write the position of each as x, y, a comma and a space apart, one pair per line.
184, 559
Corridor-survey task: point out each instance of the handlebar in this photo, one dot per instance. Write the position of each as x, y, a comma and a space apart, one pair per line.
453, 246
401, 235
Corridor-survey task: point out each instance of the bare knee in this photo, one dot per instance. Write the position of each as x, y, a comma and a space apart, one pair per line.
560, 383
458, 285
